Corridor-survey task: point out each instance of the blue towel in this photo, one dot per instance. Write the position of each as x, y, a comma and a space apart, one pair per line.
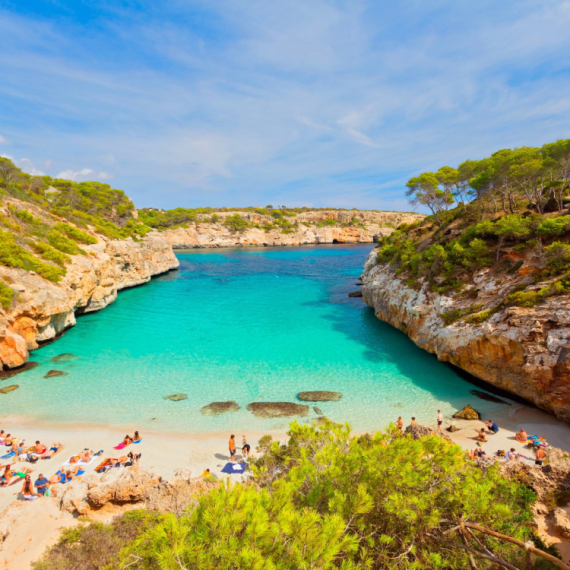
8, 455
234, 468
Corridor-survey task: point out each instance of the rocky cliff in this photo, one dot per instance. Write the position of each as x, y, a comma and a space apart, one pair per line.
41, 309
524, 350
313, 227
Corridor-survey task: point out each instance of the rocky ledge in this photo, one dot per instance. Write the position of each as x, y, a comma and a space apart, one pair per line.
525, 351
42, 310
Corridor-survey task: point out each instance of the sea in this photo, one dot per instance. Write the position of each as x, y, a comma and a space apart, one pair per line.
248, 325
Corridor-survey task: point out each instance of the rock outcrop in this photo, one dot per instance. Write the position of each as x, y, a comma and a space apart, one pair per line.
277, 409
467, 413
217, 408
370, 226
523, 350
42, 310
319, 396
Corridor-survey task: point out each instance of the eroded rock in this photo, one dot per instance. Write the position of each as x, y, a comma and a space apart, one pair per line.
467, 413
561, 521
217, 408
277, 409
318, 411
355, 293
5, 374
319, 396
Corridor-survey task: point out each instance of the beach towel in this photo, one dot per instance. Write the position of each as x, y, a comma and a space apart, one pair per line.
63, 479
121, 445
104, 465
80, 462
8, 455
234, 468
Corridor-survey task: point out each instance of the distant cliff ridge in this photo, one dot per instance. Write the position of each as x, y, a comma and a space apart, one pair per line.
312, 227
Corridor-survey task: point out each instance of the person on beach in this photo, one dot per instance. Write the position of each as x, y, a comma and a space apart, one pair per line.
245, 447
55, 448
28, 490
400, 424
86, 455
41, 485
481, 435
521, 436
439, 420
413, 422
477, 453
10, 477
492, 426
232, 447
2, 436
137, 438
512, 455
8, 440
540, 456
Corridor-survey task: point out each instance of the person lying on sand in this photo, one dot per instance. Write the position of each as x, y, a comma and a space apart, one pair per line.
477, 454
40, 448
86, 455
133, 458
481, 435
8, 440
65, 476
10, 477
521, 436
55, 448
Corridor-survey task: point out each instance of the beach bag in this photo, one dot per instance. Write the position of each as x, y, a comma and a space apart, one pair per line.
501, 453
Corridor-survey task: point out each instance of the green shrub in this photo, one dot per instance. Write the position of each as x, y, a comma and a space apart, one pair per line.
558, 257
49, 253
478, 318
524, 298
451, 316
236, 223
6, 295
551, 227
25, 216
64, 244
75, 234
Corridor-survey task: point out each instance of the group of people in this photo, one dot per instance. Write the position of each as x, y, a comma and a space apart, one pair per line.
18, 452
245, 448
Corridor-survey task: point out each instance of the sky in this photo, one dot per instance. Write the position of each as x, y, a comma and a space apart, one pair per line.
257, 102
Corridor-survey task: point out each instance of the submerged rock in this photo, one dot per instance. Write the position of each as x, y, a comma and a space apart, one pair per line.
65, 357
277, 409
176, 397
9, 389
488, 397
318, 411
467, 413
216, 408
5, 374
319, 396
53, 373
355, 293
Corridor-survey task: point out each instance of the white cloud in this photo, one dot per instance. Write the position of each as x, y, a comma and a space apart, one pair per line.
83, 175
4, 140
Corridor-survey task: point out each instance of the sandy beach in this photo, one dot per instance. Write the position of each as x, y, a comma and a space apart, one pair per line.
39, 523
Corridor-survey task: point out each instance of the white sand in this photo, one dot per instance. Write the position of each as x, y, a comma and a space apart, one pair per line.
167, 454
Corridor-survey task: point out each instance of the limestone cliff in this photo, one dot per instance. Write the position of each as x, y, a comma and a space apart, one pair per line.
313, 227
524, 350
41, 309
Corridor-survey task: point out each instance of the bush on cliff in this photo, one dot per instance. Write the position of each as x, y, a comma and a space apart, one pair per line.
331, 500
6, 295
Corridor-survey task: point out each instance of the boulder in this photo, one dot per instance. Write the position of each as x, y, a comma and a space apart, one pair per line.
10, 388
467, 413
53, 373
176, 397
418, 431
318, 411
488, 397
5, 374
561, 521
452, 428
216, 408
277, 409
319, 396
355, 293
65, 357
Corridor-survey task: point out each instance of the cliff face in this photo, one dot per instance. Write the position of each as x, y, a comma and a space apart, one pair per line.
350, 227
523, 350
42, 310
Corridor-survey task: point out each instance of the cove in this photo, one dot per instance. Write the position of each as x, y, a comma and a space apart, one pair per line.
245, 325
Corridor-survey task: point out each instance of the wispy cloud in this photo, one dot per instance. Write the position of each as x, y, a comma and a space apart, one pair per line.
247, 102
4, 140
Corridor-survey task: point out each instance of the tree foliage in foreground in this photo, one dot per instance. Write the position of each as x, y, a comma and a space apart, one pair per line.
331, 500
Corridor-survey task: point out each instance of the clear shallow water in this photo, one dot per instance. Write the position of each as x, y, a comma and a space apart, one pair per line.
243, 325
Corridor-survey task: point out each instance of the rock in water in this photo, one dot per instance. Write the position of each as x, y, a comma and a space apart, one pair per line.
216, 408
53, 373
318, 411
319, 396
355, 293
467, 413
488, 397
176, 397
277, 409
9, 389
65, 357
5, 374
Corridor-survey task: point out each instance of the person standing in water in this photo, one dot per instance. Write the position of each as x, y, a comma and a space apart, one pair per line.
232, 446
439, 420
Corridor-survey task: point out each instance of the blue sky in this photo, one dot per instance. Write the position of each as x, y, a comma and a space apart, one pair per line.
238, 103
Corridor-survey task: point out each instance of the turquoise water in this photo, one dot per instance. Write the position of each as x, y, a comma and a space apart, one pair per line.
243, 325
